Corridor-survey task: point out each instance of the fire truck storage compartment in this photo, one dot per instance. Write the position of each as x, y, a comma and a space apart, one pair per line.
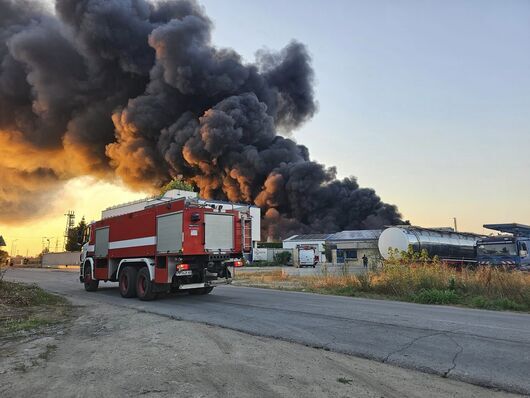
219, 231
169, 233
102, 242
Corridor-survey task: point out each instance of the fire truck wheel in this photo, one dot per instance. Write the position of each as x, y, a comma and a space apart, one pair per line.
201, 291
91, 285
128, 282
144, 286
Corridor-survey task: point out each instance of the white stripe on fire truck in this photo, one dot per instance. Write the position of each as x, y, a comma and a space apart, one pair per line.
123, 244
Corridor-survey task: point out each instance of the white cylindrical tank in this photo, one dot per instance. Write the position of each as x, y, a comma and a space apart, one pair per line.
447, 245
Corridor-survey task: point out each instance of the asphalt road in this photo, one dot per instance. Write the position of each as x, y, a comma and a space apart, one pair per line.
487, 348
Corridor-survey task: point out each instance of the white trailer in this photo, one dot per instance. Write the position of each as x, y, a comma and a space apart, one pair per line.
305, 256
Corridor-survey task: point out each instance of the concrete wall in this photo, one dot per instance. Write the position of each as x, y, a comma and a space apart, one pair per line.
373, 257
63, 258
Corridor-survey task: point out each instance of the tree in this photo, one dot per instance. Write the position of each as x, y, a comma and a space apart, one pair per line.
3, 258
177, 183
75, 237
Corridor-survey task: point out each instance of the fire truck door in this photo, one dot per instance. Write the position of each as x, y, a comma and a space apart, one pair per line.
219, 231
169, 233
101, 252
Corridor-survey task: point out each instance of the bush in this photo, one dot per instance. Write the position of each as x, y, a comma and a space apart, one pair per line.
270, 245
435, 296
282, 258
364, 281
405, 280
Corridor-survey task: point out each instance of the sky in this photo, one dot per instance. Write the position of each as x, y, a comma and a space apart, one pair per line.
427, 102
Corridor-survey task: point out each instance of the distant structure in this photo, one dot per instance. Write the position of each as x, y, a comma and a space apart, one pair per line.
70, 224
349, 247
317, 241
2, 241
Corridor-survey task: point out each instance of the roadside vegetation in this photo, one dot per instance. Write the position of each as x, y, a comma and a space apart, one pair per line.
28, 308
414, 278
280, 259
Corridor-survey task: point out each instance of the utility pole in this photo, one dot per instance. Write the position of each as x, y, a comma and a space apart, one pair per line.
45, 244
13, 247
454, 220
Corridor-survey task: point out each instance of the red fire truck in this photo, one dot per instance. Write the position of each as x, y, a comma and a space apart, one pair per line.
166, 245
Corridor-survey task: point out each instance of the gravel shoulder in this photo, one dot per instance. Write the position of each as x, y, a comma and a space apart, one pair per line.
112, 351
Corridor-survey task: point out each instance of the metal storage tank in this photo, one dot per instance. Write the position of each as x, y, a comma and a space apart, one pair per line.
446, 244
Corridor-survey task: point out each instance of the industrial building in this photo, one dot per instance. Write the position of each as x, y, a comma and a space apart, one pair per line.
349, 247
314, 240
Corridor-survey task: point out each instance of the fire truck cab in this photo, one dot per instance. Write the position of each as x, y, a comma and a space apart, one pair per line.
166, 244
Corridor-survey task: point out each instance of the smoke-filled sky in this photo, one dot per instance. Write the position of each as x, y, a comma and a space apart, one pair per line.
397, 92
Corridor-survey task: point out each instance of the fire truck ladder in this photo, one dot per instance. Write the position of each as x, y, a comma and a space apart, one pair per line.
246, 232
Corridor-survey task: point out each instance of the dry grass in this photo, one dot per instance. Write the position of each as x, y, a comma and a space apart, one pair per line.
269, 279
422, 282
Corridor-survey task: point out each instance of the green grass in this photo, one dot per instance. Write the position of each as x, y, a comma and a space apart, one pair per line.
28, 322
436, 296
496, 304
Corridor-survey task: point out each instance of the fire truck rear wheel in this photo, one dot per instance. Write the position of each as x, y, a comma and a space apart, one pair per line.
201, 291
91, 285
144, 286
127, 282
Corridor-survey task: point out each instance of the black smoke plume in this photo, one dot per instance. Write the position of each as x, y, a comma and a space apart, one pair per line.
136, 90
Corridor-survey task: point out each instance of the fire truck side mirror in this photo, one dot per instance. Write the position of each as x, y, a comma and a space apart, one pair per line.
80, 235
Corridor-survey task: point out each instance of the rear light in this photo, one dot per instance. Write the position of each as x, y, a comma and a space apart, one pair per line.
238, 263
183, 267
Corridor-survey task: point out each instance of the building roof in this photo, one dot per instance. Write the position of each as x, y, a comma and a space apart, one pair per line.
365, 234
306, 237
513, 228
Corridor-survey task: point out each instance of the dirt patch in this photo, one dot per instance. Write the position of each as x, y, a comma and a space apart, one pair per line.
30, 322
27, 309
111, 351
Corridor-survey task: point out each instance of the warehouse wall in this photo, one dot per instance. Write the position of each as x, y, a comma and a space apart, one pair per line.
346, 249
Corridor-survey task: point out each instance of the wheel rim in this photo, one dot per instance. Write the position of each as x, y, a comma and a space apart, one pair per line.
141, 285
124, 282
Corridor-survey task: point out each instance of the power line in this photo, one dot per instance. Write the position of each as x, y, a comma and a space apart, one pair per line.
70, 224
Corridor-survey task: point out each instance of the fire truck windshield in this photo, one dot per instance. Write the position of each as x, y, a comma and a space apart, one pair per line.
497, 249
